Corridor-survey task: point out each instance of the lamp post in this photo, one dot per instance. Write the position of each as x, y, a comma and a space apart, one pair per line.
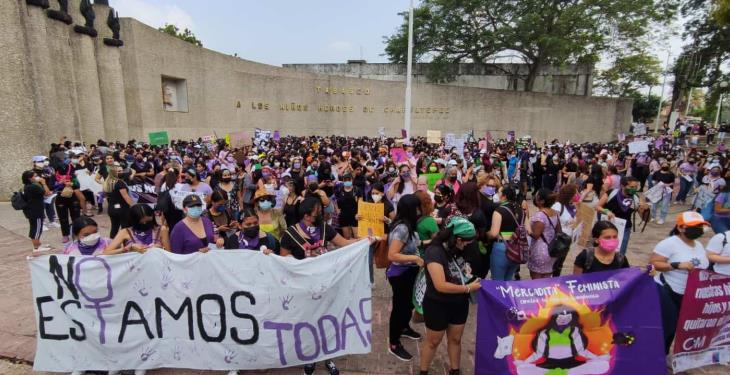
718, 116
407, 116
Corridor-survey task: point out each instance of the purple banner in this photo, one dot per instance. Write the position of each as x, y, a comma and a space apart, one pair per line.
598, 323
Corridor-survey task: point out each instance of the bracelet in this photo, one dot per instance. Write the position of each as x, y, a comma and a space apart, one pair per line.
467, 289
674, 265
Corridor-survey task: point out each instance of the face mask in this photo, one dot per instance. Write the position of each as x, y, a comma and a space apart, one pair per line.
631, 191
221, 208
714, 174
251, 232
563, 319
74, 161
438, 198
576, 198
265, 174
91, 239
269, 187
665, 168
694, 233
608, 245
347, 183
195, 212
297, 165
38, 165
377, 198
143, 227
432, 169
391, 169
405, 176
265, 205
452, 178
489, 190
226, 179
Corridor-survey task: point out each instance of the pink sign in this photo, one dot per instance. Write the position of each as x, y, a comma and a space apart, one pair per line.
398, 155
240, 139
703, 329
482, 145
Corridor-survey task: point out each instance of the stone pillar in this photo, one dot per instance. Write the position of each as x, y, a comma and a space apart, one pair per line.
111, 80
87, 88
20, 125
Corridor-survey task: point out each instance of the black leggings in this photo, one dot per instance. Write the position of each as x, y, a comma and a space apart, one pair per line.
119, 219
67, 208
670, 303
400, 315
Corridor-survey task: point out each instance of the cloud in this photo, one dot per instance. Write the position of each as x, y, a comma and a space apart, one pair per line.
155, 15
340, 46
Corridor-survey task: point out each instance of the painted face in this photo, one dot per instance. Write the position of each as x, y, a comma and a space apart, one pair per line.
564, 318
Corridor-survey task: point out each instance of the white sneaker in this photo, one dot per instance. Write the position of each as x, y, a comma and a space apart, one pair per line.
43, 248
46, 228
660, 222
54, 224
233, 372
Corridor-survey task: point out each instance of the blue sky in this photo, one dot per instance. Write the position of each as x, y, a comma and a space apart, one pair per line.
279, 31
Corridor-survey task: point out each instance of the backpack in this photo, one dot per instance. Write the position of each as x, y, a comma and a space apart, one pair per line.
518, 249
560, 244
18, 201
591, 256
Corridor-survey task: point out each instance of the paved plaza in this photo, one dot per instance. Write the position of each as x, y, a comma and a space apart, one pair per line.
17, 326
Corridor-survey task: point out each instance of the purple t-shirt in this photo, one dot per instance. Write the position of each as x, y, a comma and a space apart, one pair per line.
184, 241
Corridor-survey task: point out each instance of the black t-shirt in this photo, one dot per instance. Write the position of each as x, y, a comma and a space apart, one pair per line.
667, 178
597, 266
508, 221
33, 195
453, 270
487, 206
116, 202
295, 242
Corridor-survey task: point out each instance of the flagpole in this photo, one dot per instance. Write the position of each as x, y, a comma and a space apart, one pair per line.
409, 67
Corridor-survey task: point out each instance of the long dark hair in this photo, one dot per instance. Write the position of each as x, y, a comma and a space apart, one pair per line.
140, 211
80, 223
599, 227
407, 214
514, 199
467, 198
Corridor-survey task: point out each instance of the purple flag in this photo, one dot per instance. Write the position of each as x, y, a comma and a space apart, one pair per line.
597, 323
277, 135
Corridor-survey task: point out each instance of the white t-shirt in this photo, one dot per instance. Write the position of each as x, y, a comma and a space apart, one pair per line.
715, 246
566, 220
676, 250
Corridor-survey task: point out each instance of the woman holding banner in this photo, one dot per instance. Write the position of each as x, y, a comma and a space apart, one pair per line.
144, 232
448, 284
673, 258
602, 256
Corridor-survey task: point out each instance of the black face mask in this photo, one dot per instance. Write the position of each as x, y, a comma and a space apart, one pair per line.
251, 232
694, 233
140, 227
226, 179
438, 198
452, 178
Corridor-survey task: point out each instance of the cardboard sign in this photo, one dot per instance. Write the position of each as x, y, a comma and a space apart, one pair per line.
159, 138
372, 219
433, 136
240, 139
638, 146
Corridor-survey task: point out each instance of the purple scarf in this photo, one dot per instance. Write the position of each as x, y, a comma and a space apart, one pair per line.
315, 235
144, 238
88, 250
248, 243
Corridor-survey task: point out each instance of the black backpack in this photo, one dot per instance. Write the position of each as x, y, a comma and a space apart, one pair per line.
18, 201
560, 244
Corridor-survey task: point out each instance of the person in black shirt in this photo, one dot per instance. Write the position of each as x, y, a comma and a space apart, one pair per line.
34, 191
448, 284
621, 203
119, 201
346, 197
604, 255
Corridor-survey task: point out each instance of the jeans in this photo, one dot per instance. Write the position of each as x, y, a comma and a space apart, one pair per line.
670, 304
402, 301
684, 187
627, 236
501, 267
720, 224
660, 209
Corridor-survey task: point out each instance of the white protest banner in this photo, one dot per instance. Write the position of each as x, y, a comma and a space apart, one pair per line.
261, 135
639, 129
656, 193
87, 182
223, 310
449, 141
433, 136
638, 146
177, 197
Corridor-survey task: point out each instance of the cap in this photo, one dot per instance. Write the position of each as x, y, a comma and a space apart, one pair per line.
39, 158
691, 219
192, 200
461, 227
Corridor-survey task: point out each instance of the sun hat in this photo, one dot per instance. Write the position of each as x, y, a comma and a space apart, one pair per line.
262, 193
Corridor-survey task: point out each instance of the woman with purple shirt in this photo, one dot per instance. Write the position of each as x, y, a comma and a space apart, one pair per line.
87, 240
193, 233
143, 234
687, 172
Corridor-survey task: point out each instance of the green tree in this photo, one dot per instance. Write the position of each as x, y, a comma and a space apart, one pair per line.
541, 33
645, 107
185, 35
629, 73
722, 12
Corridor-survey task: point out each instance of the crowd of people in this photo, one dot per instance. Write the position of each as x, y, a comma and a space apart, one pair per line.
457, 218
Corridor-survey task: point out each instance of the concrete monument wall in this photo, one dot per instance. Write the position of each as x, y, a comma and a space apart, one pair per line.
55, 81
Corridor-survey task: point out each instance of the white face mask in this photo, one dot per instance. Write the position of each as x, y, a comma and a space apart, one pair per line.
91, 239
39, 165
46, 163
377, 198
497, 198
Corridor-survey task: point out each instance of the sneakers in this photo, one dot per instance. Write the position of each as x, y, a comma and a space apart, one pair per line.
42, 248
309, 369
233, 372
400, 352
65, 240
46, 228
331, 367
409, 333
53, 224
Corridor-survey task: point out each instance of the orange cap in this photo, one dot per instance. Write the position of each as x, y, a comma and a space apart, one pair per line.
691, 219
